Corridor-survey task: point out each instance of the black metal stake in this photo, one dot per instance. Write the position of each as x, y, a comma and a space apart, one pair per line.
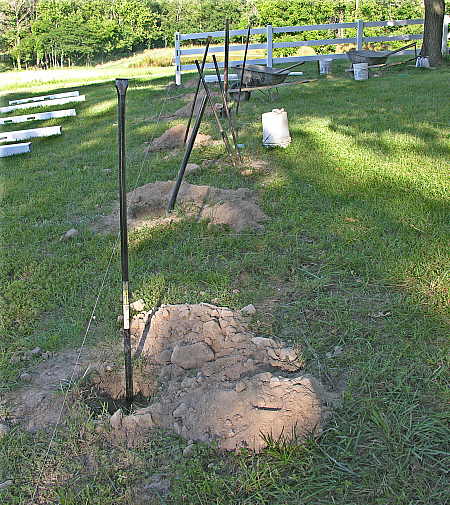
219, 124
187, 153
243, 69
225, 105
121, 86
227, 53
194, 101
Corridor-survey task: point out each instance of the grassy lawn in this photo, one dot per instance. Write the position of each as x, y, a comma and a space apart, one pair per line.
355, 255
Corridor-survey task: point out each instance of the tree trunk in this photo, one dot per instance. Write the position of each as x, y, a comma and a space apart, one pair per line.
432, 31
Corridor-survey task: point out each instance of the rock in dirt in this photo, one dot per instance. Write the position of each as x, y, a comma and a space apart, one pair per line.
173, 138
4, 430
25, 377
147, 207
249, 309
222, 382
188, 450
192, 168
116, 420
70, 234
37, 351
6, 483
138, 305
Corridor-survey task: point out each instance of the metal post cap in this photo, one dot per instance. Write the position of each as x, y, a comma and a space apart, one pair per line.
121, 85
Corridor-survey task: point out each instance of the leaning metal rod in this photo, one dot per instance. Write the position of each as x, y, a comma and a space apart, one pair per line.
194, 101
187, 153
243, 70
121, 86
219, 124
227, 110
227, 52
289, 68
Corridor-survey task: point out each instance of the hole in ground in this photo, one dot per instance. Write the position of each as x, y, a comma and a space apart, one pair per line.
99, 402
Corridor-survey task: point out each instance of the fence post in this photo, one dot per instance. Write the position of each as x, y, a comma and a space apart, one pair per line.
177, 59
359, 34
269, 58
445, 35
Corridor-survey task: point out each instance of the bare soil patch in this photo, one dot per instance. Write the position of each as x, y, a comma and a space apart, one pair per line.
147, 207
40, 403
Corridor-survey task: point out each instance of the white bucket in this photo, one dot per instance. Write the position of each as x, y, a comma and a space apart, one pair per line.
276, 128
325, 66
361, 71
423, 61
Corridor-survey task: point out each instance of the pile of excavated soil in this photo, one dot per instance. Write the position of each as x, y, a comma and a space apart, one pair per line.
208, 377
185, 111
173, 138
219, 382
147, 207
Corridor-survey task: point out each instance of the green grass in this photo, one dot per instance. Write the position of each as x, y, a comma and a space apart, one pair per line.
355, 254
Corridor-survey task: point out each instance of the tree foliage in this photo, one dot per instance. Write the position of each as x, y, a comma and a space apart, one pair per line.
61, 32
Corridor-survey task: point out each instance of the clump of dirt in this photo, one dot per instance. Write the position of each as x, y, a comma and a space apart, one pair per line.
173, 138
217, 381
147, 207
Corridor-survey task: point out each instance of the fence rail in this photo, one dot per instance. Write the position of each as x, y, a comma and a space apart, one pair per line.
270, 45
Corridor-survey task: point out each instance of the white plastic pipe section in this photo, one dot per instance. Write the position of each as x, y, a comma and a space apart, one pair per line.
29, 134
45, 103
44, 97
38, 116
15, 149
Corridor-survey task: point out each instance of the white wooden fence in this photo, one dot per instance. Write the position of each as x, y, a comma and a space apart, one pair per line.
270, 45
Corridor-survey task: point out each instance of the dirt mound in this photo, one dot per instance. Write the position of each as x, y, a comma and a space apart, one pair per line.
173, 138
40, 404
147, 206
185, 111
219, 382
208, 376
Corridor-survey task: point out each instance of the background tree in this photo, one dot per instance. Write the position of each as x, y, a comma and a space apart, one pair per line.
15, 17
432, 32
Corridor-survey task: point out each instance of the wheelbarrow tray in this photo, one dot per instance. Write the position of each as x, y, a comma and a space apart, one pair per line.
261, 75
370, 57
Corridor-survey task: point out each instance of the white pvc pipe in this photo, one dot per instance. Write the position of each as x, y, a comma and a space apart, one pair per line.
15, 149
44, 97
29, 134
38, 116
48, 103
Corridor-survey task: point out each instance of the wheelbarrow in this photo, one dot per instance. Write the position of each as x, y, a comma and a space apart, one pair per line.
262, 75
373, 57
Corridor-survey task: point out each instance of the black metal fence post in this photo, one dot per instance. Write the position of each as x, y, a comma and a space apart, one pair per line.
121, 86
